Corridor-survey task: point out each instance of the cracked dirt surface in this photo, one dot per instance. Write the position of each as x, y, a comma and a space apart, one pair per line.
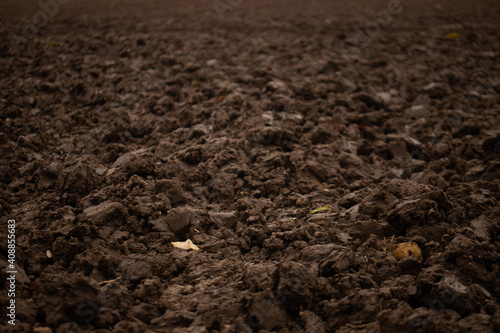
125, 127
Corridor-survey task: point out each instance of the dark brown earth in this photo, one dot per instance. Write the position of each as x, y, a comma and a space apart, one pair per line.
129, 125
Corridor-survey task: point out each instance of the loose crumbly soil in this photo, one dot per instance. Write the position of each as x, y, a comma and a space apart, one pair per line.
128, 125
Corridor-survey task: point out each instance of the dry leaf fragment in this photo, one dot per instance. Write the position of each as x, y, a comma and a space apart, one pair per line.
404, 250
187, 245
109, 281
42, 330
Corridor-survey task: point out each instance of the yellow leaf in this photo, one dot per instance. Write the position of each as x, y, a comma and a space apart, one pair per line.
452, 35
404, 250
321, 209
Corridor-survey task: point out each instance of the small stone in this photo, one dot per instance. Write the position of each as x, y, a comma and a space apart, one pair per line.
124, 159
350, 147
211, 62
385, 97
101, 171
353, 213
435, 90
415, 111
268, 118
53, 170
278, 86
349, 84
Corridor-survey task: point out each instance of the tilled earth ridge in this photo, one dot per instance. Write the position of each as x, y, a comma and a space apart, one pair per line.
128, 129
